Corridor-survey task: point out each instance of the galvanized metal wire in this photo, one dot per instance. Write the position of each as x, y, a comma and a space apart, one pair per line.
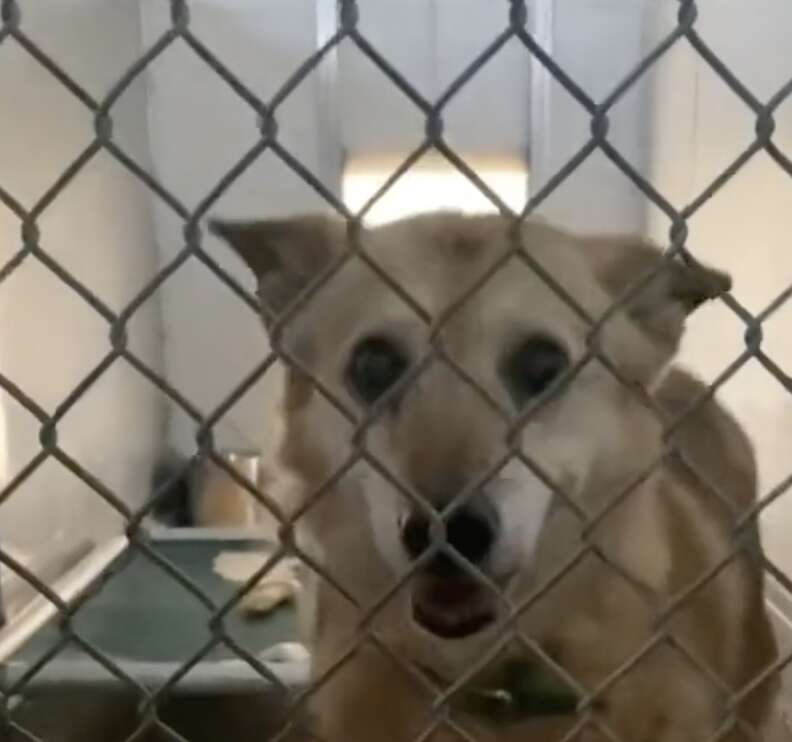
515, 28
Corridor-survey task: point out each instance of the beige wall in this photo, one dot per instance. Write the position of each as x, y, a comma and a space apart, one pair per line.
699, 127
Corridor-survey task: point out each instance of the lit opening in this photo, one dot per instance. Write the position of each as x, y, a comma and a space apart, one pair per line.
432, 184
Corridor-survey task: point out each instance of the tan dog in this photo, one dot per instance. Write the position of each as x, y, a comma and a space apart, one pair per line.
599, 598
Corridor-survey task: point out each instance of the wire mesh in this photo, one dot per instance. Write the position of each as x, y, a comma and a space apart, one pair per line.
515, 27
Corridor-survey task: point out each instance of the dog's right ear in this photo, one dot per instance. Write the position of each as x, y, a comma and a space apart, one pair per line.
285, 255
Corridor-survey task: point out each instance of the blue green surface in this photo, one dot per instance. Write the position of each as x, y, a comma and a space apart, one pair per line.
143, 614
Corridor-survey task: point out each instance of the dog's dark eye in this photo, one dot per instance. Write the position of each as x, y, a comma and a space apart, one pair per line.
533, 366
375, 366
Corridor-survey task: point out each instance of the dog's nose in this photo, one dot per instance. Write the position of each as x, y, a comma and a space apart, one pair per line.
469, 531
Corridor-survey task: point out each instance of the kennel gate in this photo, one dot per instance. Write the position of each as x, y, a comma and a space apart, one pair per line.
530, 25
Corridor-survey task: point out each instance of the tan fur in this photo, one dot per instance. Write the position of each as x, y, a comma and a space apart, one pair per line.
629, 569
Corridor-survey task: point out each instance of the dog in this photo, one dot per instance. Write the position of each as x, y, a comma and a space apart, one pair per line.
488, 470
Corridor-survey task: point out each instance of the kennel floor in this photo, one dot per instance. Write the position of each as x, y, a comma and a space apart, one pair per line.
149, 625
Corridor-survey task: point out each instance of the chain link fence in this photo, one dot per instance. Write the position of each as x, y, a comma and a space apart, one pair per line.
515, 27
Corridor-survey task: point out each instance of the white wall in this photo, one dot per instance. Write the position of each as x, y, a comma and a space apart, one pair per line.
199, 129
100, 229
699, 127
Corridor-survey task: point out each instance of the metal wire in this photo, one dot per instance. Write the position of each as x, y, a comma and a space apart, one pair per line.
12, 31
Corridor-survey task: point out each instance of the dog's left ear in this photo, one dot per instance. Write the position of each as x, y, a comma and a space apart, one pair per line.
662, 303
285, 255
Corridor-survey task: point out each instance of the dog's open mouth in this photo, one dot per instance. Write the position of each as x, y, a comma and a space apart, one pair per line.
452, 608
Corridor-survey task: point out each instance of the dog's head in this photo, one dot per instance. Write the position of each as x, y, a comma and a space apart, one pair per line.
434, 354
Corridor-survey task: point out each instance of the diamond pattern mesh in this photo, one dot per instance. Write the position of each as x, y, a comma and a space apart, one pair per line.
515, 17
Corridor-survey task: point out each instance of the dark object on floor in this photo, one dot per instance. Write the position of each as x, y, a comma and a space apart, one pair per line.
170, 486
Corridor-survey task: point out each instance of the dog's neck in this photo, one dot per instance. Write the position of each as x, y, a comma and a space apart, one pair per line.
513, 691
640, 548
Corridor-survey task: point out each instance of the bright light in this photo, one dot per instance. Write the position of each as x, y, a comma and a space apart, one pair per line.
431, 184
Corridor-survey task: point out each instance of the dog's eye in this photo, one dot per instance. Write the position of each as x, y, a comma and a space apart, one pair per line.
533, 367
375, 366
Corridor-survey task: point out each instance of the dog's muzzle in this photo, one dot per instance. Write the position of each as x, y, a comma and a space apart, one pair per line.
448, 599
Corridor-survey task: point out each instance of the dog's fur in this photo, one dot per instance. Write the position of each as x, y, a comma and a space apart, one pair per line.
592, 439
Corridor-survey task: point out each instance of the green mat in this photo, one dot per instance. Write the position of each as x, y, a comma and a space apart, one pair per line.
144, 618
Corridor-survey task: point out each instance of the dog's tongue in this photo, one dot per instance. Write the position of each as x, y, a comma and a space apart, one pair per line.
451, 608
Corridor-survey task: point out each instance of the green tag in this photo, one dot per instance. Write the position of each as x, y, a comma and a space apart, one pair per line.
520, 690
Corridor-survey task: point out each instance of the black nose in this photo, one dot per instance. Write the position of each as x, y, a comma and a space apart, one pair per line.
470, 532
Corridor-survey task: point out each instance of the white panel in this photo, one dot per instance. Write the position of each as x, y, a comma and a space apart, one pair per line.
376, 118
431, 43
490, 113
597, 43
